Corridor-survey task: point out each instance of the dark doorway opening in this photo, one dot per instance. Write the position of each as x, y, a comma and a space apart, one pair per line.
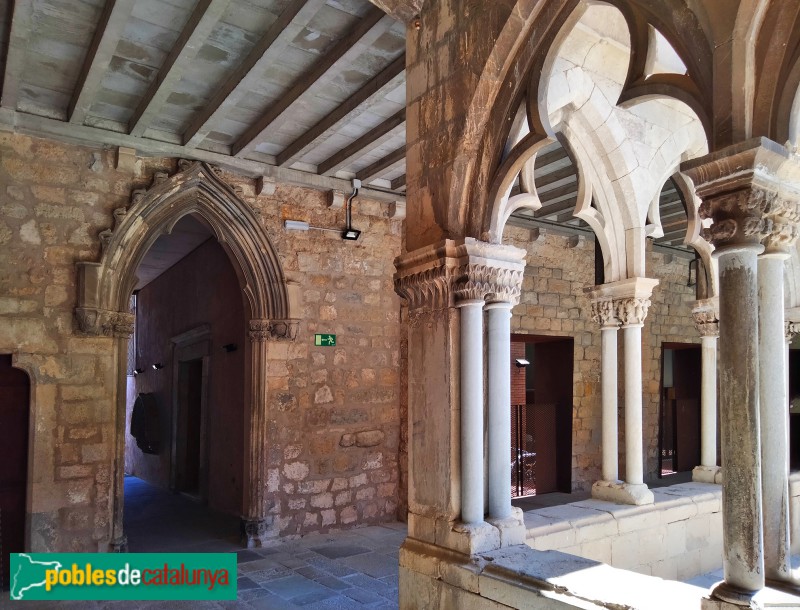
794, 407
14, 423
679, 413
541, 414
189, 437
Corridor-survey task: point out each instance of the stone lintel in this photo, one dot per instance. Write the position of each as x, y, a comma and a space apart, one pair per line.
707, 474
620, 492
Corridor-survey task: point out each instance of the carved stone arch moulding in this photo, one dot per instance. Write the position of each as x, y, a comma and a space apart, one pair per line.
104, 287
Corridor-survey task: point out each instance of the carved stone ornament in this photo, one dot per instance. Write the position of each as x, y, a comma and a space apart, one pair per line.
430, 288
104, 323
604, 313
479, 281
274, 330
792, 328
706, 322
632, 311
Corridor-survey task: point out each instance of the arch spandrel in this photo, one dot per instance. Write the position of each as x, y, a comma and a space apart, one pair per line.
104, 286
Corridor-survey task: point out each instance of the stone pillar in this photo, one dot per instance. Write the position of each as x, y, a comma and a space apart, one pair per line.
706, 321
629, 302
744, 191
436, 281
258, 520
472, 509
780, 230
603, 313
499, 398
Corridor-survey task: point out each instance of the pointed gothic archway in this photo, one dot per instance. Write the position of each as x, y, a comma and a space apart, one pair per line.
104, 289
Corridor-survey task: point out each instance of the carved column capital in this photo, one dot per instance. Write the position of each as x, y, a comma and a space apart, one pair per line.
273, 330
792, 328
101, 322
444, 274
706, 318
632, 311
604, 313
751, 193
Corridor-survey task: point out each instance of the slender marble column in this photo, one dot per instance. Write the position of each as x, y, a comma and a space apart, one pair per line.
743, 559
472, 507
499, 382
632, 312
603, 313
774, 415
706, 322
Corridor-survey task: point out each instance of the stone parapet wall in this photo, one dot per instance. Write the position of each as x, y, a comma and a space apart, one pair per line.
679, 537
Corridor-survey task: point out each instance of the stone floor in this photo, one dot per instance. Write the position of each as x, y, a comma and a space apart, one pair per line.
346, 570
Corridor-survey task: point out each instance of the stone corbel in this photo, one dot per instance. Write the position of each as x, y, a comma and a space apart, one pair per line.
274, 330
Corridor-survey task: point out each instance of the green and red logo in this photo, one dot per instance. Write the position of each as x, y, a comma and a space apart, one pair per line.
131, 576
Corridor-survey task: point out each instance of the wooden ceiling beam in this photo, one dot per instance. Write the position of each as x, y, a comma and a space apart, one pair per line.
374, 137
387, 80
205, 16
381, 165
357, 40
113, 20
265, 53
21, 25
399, 183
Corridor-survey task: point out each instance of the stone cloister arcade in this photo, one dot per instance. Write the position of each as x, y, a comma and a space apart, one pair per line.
698, 100
482, 160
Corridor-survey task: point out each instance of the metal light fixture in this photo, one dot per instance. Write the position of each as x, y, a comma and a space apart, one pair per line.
521, 363
158, 366
350, 233
137, 372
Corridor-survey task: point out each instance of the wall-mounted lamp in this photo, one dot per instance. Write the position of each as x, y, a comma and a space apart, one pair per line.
158, 366
521, 363
229, 347
137, 372
350, 233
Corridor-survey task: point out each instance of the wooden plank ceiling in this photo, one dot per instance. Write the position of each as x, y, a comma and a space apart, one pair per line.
309, 91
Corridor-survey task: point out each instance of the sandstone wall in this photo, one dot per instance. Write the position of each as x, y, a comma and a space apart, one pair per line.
334, 412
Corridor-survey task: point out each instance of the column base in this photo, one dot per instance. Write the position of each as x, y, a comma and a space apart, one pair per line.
727, 597
790, 587
512, 529
620, 492
118, 545
256, 532
707, 474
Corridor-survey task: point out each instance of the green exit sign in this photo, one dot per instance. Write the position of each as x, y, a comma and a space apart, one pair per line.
325, 340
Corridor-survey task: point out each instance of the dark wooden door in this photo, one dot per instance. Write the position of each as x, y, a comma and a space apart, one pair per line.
14, 417
190, 392
687, 375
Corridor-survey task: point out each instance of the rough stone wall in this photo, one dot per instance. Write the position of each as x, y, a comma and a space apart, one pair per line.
54, 200
334, 412
553, 303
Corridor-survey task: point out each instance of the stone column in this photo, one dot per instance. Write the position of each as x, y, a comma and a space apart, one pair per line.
122, 325
740, 187
499, 398
445, 510
603, 313
706, 321
472, 509
625, 301
631, 312
783, 215
258, 521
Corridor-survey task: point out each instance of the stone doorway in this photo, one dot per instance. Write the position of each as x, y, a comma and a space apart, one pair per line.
541, 417
679, 414
14, 430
